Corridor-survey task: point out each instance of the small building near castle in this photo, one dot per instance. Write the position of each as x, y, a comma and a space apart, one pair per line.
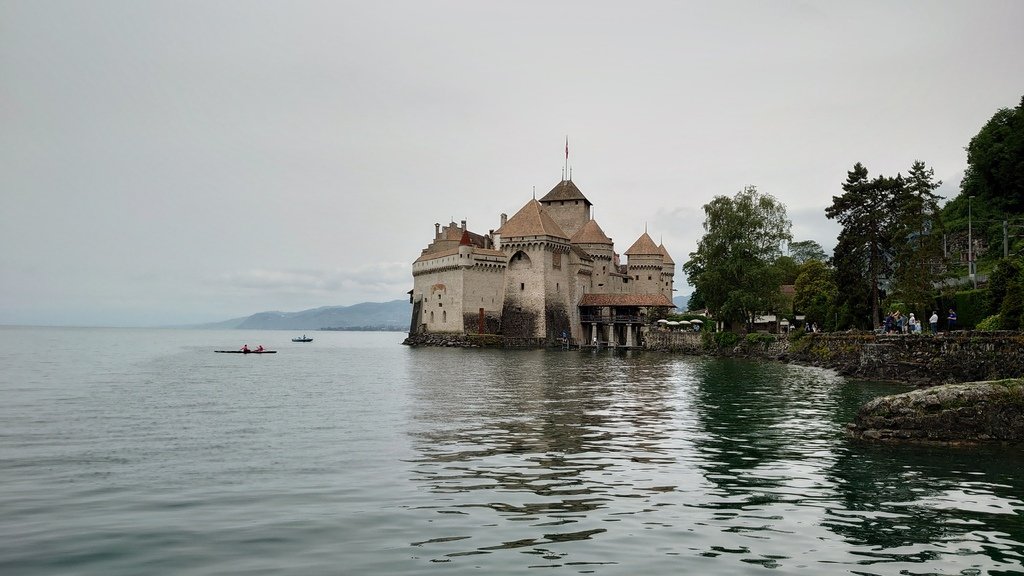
548, 274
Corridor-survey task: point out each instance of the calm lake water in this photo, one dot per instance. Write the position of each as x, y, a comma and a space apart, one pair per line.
129, 451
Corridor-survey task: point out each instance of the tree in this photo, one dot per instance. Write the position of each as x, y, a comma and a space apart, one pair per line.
918, 240
865, 211
1007, 271
733, 266
995, 162
816, 293
786, 268
806, 250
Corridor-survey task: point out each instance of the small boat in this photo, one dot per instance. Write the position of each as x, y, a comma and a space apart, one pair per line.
246, 351
303, 339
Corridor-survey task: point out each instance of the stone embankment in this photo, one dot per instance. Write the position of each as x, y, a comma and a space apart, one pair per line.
915, 359
953, 413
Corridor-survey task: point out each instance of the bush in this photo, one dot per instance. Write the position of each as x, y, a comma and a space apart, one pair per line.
971, 307
726, 339
989, 324
1011, 313
759, 339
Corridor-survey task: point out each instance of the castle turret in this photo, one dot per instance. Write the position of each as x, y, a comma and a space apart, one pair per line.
592, 239
567, 206
645, 265
668, 272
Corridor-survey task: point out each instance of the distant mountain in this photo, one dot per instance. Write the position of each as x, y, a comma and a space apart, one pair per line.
682, 302
394, 315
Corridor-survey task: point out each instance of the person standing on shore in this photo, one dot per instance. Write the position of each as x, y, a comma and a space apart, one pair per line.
934, 321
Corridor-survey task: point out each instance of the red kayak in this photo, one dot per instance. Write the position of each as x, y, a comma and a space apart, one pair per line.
246, 351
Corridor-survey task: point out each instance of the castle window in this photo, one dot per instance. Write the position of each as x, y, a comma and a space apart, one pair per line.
431, 316
556, 260
522, 286
444, 317
648, 276
556, 287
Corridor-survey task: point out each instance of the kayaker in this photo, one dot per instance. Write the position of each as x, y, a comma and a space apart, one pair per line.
260, 349
245, 348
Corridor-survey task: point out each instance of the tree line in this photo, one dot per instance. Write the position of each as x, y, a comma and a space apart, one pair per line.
899, 247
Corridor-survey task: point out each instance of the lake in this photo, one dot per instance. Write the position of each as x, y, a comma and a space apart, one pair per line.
141, 451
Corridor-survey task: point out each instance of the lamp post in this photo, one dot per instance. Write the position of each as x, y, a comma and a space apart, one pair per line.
970, 246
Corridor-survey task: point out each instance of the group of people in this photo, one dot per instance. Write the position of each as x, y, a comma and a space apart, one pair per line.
895, 323
245, 348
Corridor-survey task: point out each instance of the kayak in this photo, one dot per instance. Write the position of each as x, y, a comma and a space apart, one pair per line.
303, 339
246, 351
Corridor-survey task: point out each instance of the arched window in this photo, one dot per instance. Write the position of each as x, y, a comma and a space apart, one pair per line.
519, 261
444, 317
431, 316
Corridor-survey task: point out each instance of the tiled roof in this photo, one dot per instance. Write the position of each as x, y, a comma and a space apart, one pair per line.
649, 300
591, 233
581, 253
453, 251
664, 252
564, 190
438, 254
643, 246
531, 220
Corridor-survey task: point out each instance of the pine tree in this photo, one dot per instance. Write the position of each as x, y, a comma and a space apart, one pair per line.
865, 211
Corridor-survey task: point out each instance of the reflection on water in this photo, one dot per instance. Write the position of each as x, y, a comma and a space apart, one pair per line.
617, 463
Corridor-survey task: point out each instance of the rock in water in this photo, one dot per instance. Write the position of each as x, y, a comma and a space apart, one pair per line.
971, 412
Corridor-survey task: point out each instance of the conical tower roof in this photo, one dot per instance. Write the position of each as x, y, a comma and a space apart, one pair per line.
643, 246
565, 190
591, 233
664, 252
531, 220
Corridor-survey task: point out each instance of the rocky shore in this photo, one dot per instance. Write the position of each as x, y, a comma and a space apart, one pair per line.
949, 413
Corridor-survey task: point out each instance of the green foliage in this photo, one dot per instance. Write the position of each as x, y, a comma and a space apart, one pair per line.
970, 306
759, 339
918, 254
726, 339
816, 293
733, 267
1006, 271
786, 268
1011, 313
805, 251
865, 212
995, 161
989, 324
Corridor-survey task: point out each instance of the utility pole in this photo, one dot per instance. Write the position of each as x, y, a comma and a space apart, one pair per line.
1006, 239
970, 246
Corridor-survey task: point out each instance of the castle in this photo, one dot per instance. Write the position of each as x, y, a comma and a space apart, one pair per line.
547, 273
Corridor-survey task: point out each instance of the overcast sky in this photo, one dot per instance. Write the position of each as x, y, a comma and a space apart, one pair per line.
192, 161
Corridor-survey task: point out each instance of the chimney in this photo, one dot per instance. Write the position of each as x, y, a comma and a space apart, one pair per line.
437, 230
504, 218
463, 225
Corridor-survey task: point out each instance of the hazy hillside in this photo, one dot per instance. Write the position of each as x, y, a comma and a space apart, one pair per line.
681, 301
392, 315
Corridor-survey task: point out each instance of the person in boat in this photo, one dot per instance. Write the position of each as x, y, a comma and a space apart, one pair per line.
260, 349
245, 348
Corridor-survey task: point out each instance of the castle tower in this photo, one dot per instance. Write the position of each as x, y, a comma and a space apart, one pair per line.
537, 278
592, 239
567, 206
645, 266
